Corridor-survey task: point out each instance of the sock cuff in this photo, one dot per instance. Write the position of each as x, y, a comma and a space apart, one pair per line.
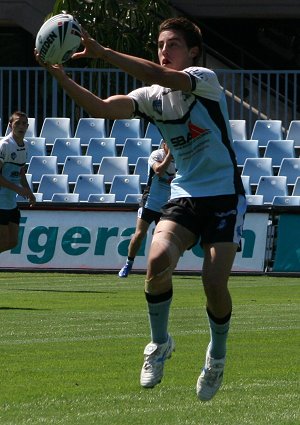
155, 299
219, 320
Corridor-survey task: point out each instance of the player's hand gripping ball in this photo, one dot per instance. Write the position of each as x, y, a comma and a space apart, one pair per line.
58, 38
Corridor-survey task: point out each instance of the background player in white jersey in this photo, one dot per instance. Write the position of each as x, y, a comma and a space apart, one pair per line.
161, 171
188, 105
13, 180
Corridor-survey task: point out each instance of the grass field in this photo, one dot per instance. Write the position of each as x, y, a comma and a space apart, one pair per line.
71, 351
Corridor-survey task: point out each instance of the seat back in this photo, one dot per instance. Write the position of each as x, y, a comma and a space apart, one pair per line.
133, 198
111, 166
270, 186
75, 165
100, 147
255, 199
244, 149
88, 128
36, 146
278, 150
153, 133
290, 167
65, 197
286, 201
124, 128
293, 132
246, 184
64, 147
257, 167
102, 199
296, 189
142, 169
265, 130
238, 129
136, 147
39, 165
53, 128
123, 185
53, 183
87, 184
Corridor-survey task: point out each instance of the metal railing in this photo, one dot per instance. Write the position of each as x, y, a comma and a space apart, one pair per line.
251, 95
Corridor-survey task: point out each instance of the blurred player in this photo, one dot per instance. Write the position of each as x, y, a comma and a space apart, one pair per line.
13, 180
157, 192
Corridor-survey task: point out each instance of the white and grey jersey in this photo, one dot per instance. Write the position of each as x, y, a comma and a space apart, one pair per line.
195, 126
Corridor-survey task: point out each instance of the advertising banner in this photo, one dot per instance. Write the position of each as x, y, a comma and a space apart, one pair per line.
98, 240
287, 258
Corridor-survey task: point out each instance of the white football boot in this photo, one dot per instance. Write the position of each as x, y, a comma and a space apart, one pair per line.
154, 360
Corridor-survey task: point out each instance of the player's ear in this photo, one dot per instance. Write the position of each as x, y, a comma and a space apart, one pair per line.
194, 52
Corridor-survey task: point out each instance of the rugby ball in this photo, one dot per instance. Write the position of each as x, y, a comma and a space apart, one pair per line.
58, 38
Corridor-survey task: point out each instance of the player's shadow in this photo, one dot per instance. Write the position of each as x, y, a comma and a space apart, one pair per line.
63, 291
21, 308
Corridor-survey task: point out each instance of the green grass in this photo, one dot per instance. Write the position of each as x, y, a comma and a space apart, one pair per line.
71, 352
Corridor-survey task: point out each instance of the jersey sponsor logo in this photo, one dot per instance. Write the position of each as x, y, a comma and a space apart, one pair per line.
195, 133
13, 155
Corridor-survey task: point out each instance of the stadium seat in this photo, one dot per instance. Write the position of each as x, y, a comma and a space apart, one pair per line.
133, 198
153, 133
53, 183
102, 198
38, 198
257, 167
296, 189
63, 147
75, 165
278, 150
124, 128
36, 146
125, 184
265, 130
65, 197
100, 147
245, 149
87, 184
238, 129
290, 167
88, 128
31, 130
53, 128
141, 169
286, 201
136, 147
293, 132
111, 166
40, 165
255, 199
270, 186
246, 184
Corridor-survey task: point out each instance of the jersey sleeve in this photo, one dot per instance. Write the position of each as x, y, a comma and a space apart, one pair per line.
204, 83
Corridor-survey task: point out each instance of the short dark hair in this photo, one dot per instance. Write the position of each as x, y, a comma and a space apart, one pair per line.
191, 32
16, 114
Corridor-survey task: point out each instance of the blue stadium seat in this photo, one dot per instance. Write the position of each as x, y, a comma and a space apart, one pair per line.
65, 197
87, 184
296, 189
75, 165
103, 198
53, 128
286, 201
100, 147
88, 128
293, 132
124, 128
136, 147
133, 198
265, 130
111, 166
53, 183
141, 169
125, 184
246, 184
64, 147
257, 167
36, 146
255, 199
153, 133
278, 150
244, 149
40, 165
238, 129
270, 186
290, 167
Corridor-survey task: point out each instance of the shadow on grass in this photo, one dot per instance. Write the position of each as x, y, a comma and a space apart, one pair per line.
61, 291
21, 308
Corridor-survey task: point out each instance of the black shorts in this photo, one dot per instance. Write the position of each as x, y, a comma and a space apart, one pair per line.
149, 215
10, 216
212, 219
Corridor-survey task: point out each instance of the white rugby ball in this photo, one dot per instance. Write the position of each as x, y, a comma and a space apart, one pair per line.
58, 38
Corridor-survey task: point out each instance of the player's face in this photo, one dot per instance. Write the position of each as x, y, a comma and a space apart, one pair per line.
19, 127
173, 52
